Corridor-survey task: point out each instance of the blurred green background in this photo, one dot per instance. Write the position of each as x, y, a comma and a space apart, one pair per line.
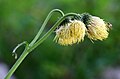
20, 20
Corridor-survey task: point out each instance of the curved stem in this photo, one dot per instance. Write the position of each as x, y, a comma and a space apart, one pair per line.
29, 48
51, 30
44, 24
18, 62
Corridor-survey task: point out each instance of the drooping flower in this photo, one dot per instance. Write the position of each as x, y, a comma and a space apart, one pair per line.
70, 32
97, 29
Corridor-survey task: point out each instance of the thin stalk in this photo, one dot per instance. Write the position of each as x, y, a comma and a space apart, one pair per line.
44, 24
28, 49
18, 62
51, 30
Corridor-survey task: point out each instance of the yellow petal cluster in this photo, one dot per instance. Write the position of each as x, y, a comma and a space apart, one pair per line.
70, 33
97, 29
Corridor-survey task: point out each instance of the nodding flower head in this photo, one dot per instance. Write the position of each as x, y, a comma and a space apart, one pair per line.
70, 32
97, 29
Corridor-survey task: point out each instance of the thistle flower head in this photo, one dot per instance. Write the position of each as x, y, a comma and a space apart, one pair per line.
97, 29
71, 32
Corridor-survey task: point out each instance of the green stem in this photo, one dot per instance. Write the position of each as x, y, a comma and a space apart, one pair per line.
28, 49
44, 24
51, 30
18, 62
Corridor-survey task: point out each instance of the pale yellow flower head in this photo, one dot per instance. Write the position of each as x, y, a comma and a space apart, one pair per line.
97, 29
70, 33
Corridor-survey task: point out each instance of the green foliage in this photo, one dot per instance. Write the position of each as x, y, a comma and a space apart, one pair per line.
21, 19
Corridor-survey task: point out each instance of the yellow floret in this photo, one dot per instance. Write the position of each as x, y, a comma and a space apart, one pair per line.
71, 33
96, 29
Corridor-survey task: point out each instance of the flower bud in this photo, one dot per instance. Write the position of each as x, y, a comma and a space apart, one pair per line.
71, 32
97, 29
